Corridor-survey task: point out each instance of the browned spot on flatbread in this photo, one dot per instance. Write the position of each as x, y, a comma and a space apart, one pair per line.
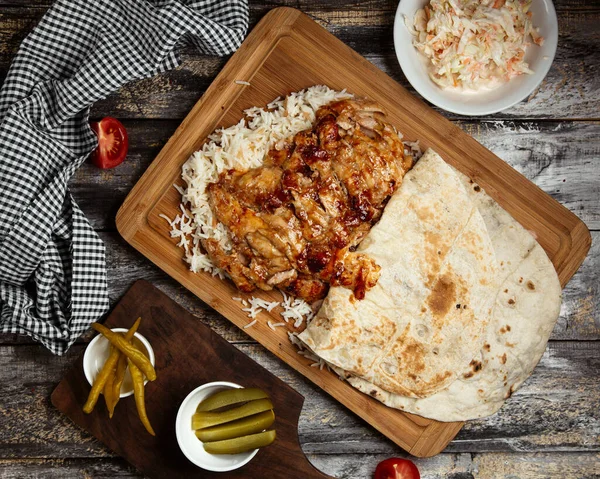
477, 188
413, 354
468, 375
373, 393
424, 213
487, 347
475, 365
510, 345
502, 330
441, 376
503, 360
521, 279
510, 392
530, 285
442, 296
511, 301
412, 376
435, 248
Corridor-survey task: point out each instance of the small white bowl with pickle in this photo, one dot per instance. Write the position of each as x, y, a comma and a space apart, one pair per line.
220, 426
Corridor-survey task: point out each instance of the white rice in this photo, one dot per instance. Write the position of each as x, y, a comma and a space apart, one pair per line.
293, 308
250, 324
241, 146
296, 309
303, 351
257, 305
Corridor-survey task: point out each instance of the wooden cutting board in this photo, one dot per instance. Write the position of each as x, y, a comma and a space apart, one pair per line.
287, 52
188, 354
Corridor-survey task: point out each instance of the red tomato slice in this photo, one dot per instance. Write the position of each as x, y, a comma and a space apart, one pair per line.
396, 468
112, 143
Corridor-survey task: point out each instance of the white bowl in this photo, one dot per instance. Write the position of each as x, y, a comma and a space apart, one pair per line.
97, 353
191, 446
414, 65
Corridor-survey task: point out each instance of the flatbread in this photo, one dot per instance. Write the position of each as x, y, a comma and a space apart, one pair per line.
399, 345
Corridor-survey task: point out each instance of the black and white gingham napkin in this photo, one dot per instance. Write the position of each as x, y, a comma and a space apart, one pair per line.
52, 263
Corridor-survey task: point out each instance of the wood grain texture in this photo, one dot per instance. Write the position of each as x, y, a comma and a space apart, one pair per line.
571, 89
187, 356
563, 159
36, 441
555, 410
360, 466
579, 318
283, 54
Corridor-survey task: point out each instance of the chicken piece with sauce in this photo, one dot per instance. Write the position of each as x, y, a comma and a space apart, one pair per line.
295, 221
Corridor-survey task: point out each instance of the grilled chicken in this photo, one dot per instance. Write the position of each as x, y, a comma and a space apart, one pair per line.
295, 221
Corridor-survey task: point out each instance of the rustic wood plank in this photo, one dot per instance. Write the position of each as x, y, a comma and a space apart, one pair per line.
579, 318
556, 410
348, 466
470, 466
567, 375
571, 89
561, 158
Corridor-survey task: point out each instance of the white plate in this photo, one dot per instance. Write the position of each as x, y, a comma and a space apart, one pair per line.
97, 353
191, 446
414, 65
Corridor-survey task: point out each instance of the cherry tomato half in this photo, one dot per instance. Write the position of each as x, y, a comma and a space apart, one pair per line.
112, 143
396, 468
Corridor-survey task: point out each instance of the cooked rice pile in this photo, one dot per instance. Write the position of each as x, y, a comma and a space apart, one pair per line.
244, 146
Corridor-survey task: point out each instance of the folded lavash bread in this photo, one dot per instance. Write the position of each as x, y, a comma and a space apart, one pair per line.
462, 311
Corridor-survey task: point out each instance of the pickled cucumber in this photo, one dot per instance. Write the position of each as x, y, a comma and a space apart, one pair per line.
201, 420
229, 397
241, 427
240, 444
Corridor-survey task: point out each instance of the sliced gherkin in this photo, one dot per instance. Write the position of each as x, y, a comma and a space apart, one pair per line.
229, 397
204, 419
240, 444
241, 427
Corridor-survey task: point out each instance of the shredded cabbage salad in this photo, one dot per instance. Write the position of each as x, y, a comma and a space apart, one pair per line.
474, 43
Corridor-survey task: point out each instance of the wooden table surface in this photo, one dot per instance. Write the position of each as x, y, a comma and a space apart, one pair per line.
549, 428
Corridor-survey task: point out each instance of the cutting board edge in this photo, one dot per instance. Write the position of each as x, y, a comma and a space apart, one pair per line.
390, 434
128, 222
296, 14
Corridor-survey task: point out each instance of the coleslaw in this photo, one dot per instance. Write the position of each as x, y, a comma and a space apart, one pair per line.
474, 44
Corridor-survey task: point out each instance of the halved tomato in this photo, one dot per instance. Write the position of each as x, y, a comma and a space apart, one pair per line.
396, 468
112, 143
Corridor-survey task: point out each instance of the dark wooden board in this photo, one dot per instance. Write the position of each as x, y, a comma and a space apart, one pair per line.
188, 354
571, 89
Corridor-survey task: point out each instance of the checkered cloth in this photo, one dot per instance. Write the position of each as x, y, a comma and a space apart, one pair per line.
52, 262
